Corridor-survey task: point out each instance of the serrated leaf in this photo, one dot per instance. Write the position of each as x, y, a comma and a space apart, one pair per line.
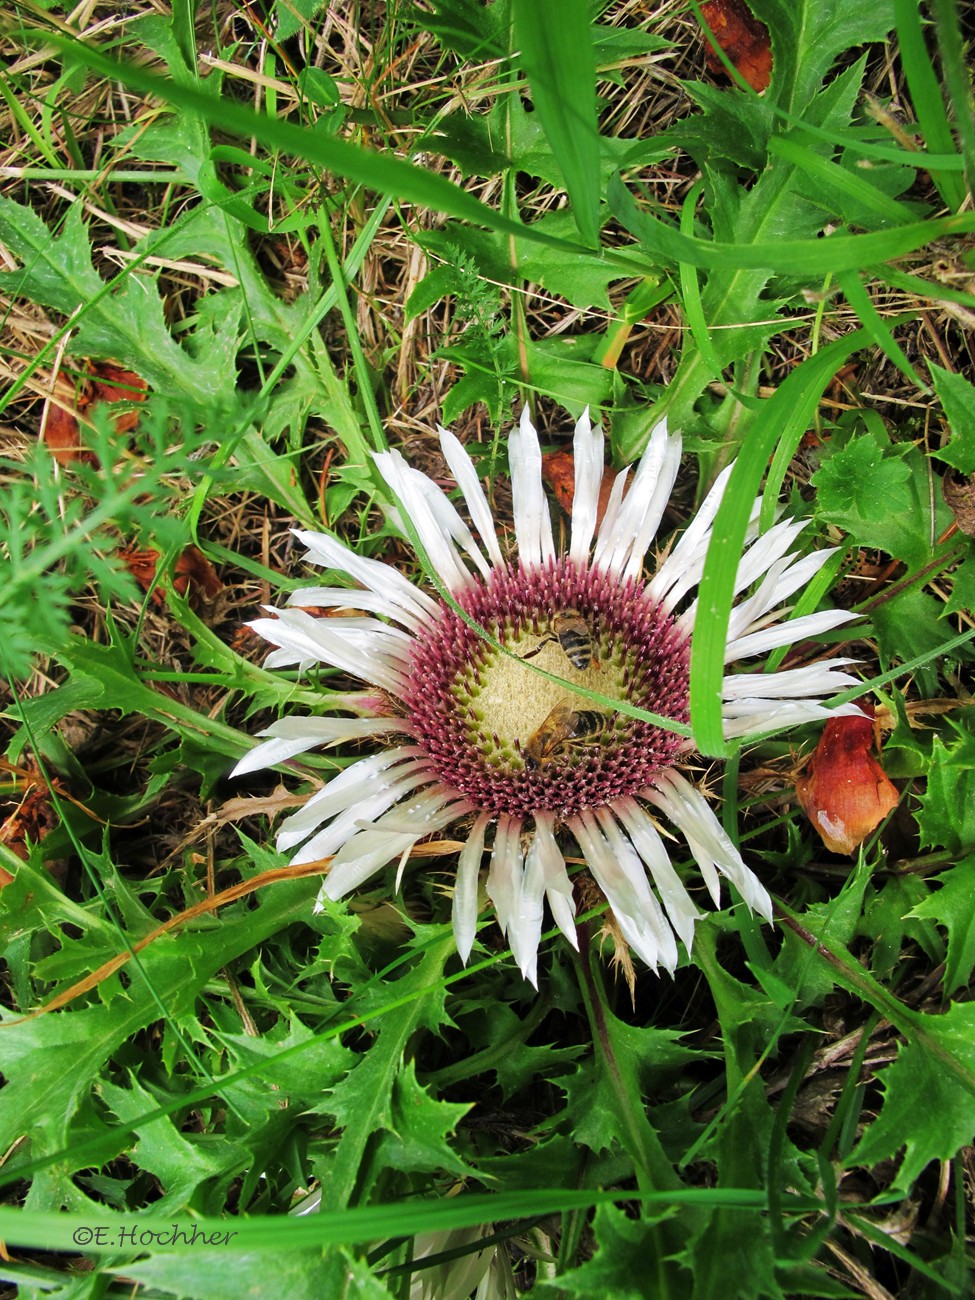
180, 1164
627, 1257
228, 1274
945, 1122
835, 920
952, 907
420, 1126
123, 320
962, 587
51, 1062
957, 397
947, 814
643, 1057
806, 37
362, 1103
301, 1078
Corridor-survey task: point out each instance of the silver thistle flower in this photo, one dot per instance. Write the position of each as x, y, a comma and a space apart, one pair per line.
473, 734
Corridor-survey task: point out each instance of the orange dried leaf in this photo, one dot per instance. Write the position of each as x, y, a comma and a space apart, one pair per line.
192, 572
114, 384
104, 381
558, 471
31, 822
742, 38
193, 569
845, 792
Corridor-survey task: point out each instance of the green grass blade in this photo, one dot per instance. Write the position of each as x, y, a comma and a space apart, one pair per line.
555, 38
876, 327
958, 80
833, 176
782, 419
379, 171
925, 88
690, 288
807, 257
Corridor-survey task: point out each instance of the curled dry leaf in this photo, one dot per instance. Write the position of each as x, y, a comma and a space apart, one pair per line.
31, 821
104, 381
192, 574
844, 791
959, 494
744, 40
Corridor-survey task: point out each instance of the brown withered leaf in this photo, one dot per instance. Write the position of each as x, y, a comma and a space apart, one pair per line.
845, 792
744, 40
959, 495
559, 472
193, 573
31, 821
103, 381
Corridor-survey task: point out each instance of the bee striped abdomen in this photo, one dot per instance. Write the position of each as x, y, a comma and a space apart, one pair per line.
575, 638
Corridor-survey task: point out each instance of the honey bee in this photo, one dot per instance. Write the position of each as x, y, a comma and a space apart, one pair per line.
573, 634
562, 724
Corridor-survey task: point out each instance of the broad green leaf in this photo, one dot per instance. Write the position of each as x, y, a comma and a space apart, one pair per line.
807, 36
878, 492
907, 628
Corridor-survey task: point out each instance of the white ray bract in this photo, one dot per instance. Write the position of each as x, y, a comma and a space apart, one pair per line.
753, 717
295, 735
365, 789
641, 510
302, 639
587, 455
606, 533
368, 851
708, 841
437, 543
533, 523
462, 468
349, 598
464, 915
649, 913
446, 516
786, 633
645, 838
792, 683
558, 886
618, 873
405, 602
